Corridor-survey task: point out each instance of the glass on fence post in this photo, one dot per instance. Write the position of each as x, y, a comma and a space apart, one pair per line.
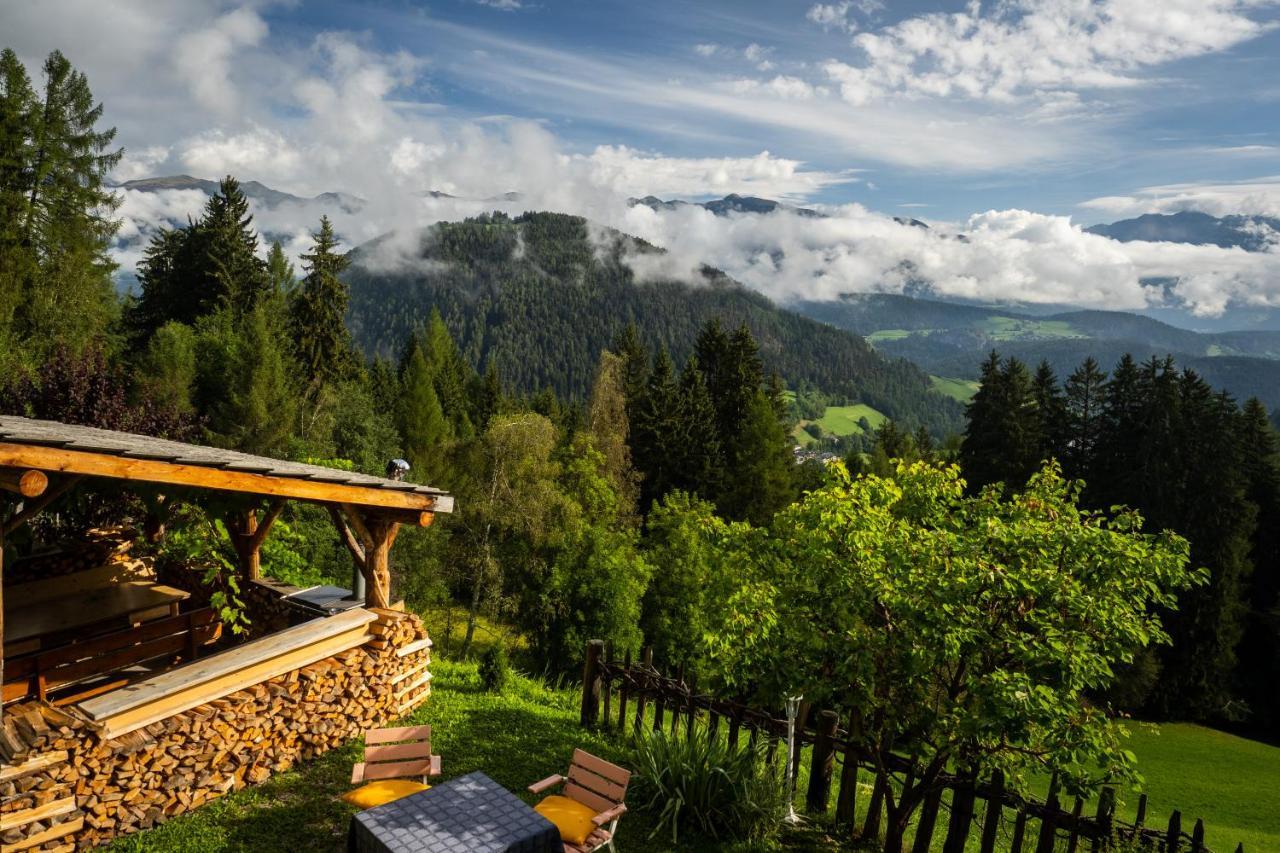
793, 708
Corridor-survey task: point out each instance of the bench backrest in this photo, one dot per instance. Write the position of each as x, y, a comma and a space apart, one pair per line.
596, 783
39, 673
397, 753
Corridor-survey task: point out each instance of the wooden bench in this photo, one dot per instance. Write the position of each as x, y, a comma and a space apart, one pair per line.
144, 702
30, 625
40, 673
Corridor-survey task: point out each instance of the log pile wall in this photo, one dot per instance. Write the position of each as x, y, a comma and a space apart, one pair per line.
64, 788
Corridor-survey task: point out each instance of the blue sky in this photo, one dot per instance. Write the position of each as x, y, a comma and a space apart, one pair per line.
1011, 123
1208, 113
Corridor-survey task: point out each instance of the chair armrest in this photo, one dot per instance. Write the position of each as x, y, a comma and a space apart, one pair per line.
549, 782
357, 773
612, 814
435, 766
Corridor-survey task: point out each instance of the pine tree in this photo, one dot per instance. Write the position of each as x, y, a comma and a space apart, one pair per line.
656, 432
701, 462
1259, 667
1051, 411
258, 403
761, 476
281, 278
423, 425
1084, 403
318, 311
56, 206
452, 374
609, 428
488, 399
229, 267
1002, 438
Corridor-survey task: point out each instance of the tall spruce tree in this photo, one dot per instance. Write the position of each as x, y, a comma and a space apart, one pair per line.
423, 426
1085, 398
233, 273
656, 431
318, 310
761, 479
700, 458
55, 207
256, 401
1051, 411
1259, 668
1002, 439
608, 426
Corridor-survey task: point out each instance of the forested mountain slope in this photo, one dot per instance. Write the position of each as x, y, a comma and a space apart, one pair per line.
541, 295
952, 340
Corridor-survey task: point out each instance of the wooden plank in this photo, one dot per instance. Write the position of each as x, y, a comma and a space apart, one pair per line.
412, 686
178, 702
53, 808
415, 646
588, 798
596, 783
222, 479
397, 770
409, 673
81, 610
53, 832
77, 582
230, 662
397, 752
393, 735
40, 762
600, 767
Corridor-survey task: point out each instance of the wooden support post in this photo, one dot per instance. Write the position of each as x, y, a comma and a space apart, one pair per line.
1142, 812
28, 484
1197, 836
622, 694
591, 683
846, 803
1103, 819
1049, 823
382, 535
1073, 840
928, 818
247, 535
961, 816
31, 508
802, 719
1173, 835
692, 706
991, 820
824, 752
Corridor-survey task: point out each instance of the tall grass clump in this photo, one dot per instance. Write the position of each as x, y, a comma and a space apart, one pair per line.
698, 782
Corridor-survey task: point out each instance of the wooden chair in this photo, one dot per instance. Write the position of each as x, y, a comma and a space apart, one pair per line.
600, 786
396, 754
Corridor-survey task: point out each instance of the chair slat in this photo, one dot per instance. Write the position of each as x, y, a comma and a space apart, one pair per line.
600, 767
588, 798
395, 770
397, 752
376, 736
597, 783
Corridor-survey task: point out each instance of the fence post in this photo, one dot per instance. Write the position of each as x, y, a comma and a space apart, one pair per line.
928, 818
1173, 836
693, 706
646, 660
1103, 819
606, 685
1049, 823
1073, 840
1019, 830
824, 753
622, 694
1197, 837
591, 683
991, 821
961, 814
1142, 812
871, 827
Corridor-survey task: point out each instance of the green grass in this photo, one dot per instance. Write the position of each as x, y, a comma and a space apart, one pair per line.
843, 420
1011, 329
888, 335
960, 390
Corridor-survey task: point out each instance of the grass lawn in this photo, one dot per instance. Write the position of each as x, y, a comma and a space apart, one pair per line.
888, 335
960, 390
1012, 329
843, 420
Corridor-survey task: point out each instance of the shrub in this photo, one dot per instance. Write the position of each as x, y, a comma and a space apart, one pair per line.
495, 671
699, 783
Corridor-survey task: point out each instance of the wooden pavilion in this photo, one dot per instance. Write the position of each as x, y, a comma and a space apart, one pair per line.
112, 689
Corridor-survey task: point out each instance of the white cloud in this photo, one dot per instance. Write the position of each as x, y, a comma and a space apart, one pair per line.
1000, 256
706, 49
255, 151
629, 172
202, 58
1254, 197
503, 5
141, 163
1029, 47
832, 16
781, 86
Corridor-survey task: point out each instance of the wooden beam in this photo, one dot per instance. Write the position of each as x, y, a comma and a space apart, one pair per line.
247, 534
29, 483
348, 538
378, 562
36, 506
356, 521
221, 479
264, 526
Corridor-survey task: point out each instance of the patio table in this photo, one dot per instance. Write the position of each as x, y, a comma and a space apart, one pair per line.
470, 814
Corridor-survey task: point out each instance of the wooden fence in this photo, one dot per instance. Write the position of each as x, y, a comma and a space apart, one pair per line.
626, 695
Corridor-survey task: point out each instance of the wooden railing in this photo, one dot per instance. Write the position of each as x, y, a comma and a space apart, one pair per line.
625, 696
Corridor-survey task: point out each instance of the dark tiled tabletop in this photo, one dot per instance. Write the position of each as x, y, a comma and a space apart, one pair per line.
470, 814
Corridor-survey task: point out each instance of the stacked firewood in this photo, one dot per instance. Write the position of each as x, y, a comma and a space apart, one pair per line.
38, 808
97, 547
144, 777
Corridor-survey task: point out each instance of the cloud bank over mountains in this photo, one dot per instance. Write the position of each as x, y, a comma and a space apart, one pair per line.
209, 88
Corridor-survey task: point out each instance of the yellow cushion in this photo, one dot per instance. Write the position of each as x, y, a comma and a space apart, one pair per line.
382, 791
571, 817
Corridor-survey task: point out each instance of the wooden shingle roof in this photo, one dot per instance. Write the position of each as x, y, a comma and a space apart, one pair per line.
54, 447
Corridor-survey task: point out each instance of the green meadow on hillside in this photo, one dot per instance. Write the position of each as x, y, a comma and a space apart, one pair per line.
960, 390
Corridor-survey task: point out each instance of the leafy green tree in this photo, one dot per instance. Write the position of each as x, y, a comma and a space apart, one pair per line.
761, 480
607, 422
167, 370
281, 277
17, 258
964, 632
674, 611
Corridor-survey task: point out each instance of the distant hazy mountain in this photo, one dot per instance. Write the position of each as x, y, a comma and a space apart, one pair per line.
1251, 233
949, 339
732, 203
252, 189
